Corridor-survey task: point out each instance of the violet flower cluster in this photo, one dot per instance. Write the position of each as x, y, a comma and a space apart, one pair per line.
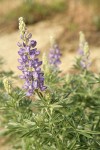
54, 56
29, 63
84, 52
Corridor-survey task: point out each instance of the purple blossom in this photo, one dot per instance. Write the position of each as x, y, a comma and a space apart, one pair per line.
30, 65
54, 56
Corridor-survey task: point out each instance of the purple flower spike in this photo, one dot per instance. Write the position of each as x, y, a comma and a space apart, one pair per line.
30, 64
54, 56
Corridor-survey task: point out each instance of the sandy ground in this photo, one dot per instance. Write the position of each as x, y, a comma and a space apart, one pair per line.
4, 4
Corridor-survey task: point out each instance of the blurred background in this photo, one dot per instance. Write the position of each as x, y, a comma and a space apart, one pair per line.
62, 19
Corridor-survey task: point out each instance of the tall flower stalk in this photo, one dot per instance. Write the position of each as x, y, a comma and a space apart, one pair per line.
54, 55
29, 63
84, 52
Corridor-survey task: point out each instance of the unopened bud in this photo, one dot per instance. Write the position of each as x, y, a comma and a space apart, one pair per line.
52, 40
7, 85
44, 59
86, 48
46, 66
22, 26
81, 39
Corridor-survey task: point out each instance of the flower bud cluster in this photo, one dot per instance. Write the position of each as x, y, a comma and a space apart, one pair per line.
84, 52
22, 26
46, 65
7, 85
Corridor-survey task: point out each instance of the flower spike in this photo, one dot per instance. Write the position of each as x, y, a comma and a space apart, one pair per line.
30, 65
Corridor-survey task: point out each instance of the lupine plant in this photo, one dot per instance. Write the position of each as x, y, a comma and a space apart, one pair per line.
65, 116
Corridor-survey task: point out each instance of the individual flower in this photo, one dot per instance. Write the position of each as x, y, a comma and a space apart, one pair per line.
29, 62
84, 52
54, 55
